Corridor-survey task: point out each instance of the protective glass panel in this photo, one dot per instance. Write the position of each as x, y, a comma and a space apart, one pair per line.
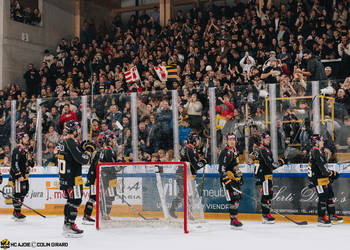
155, 126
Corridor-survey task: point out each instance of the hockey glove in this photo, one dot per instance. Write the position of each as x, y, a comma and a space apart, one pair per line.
333, 175
275, 165
230, 177
281, 161
0, 178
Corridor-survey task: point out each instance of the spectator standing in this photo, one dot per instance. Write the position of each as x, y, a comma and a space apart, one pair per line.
164, 118
67, 115
194, 110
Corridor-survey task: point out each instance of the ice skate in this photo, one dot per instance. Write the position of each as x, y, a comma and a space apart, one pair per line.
324, 222
72, 231
236, 224
88, 220
268, 219
18, 216
336, 219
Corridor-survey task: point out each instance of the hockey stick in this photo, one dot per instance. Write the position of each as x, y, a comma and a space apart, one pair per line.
203, 174
134, 209
273, 210
14, 198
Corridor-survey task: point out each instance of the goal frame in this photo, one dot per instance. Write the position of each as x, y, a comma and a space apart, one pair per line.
180, 163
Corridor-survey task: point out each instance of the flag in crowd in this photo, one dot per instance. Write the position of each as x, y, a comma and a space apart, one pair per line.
168, 72
132, 75
161, 73
171, 71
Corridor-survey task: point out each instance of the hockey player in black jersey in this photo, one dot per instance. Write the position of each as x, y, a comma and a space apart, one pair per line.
189, 153
322, 178
106, 154
19, 174
231, 177
71, 156
263, 175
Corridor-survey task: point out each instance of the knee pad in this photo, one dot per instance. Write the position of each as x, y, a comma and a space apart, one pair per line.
75, 202
109, 199
323, 205
331, 202
234, 205
92, 197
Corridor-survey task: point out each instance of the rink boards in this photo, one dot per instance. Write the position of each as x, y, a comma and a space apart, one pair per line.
291, 192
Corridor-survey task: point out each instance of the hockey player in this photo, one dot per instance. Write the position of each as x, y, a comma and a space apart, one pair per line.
19, 173
109, 178
189, 154
322, 178
71, 156
231, 177
263, 175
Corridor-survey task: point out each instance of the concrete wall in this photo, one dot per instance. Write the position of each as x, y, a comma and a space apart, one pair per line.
16, 54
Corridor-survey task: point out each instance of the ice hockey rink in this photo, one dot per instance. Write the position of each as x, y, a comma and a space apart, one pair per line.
215, 234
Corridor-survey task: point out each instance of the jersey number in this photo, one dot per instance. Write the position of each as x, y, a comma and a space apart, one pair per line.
309, 171
61, 166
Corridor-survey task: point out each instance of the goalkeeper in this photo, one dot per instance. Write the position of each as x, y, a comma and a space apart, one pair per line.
189, 153
231, 177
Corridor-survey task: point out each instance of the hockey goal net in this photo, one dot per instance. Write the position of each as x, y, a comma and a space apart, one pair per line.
156, 194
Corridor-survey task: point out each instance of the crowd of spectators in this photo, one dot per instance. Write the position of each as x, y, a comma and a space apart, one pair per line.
239, 49
24, 14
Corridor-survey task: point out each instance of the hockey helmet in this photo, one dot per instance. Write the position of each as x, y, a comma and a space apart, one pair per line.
71, 126
108, 138
231, 136
192, 138
316, 138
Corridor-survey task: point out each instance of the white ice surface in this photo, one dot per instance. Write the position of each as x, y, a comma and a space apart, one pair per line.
215, 235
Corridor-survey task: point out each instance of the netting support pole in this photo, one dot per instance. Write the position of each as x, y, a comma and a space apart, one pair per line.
134, 127
316, 107
175, 123
273, 127
84, 117
212, 117
39, 130
13, 124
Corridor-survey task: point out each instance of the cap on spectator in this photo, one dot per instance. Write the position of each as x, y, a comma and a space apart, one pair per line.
300, 37
328, 68
208, 68
272, 52
273, 58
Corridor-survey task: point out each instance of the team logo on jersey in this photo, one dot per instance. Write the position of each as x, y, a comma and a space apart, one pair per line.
7, 191
5, 244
